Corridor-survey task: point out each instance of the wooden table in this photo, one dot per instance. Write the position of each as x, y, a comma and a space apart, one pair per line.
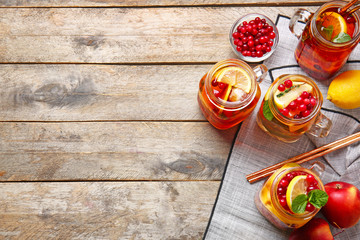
101, 136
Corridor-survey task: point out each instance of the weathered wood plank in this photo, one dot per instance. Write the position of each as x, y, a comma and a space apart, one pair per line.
38, 92
106, 210
113, 151
141, 3
121, 35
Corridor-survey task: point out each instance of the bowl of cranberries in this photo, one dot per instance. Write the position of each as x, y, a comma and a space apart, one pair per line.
254, 37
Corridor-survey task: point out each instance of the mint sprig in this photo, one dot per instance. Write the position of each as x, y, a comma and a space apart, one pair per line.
317, 198
266, 111
341, 38
328, 31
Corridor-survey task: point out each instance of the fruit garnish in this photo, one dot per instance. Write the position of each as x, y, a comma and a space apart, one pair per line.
297, 186
331, 24
235, 77
283, 99
298, 197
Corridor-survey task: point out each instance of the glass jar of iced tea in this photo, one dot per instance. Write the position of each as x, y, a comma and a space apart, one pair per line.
229, 92
275, 198
327, 39
291, 107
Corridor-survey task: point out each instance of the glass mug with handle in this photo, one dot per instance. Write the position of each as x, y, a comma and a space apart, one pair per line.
327, 40
229, 92
291, 107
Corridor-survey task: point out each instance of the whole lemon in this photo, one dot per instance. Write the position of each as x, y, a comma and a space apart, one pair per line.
344, 90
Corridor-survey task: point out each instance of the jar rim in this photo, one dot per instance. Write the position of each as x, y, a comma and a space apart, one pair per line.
227, 104
275, 111
323, 8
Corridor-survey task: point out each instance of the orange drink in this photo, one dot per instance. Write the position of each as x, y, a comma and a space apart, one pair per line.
275, 200
291, 107
327, 39
229, 92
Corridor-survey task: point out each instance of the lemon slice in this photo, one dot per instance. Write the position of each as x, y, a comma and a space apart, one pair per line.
282, 99
235, 77
297, 186
334, 21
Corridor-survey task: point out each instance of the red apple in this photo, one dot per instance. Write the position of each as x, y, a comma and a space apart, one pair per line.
315, 229
343, 206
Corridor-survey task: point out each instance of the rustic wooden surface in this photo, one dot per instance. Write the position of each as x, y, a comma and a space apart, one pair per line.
101, 136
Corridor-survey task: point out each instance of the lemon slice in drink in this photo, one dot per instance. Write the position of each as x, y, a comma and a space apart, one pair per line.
331, 23
282, 99
297, 186
235, 77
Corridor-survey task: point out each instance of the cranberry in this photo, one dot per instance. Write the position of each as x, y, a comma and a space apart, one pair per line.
310, 106
305, 113
281, 87
238, 48
292, 105
221, 85
254, 31
309, 207
310, 178
313, 101
258, 47
311, 187
236, 41
302, 107
214, 83
290, 176
236, 35
281, 191
257, 20
283, 202
306, 101
285, 112
268, 49
271, 43
299, 100
259, 53
272, 35
304, 94
288, 83
251, 43
284, 183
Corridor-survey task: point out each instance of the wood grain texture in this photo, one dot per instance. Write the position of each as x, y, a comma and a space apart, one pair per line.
106, 210
38, 92
113, 151
141, 3
121, 35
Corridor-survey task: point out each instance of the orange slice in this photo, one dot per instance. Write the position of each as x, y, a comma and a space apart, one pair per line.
235, 77
334, 21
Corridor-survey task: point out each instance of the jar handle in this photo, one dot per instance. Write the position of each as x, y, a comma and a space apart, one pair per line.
322, 126
260, 72
302, 15
317, 167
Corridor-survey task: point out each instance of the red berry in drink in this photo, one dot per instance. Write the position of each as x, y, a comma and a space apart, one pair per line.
306, 101
310, 179
302, 107
313, 101
281, 87
285, 112
283, 202
292, 105
304, 94
214, 83
305, 113
283, 183
299, 100
288, 83
221, 85
309, 207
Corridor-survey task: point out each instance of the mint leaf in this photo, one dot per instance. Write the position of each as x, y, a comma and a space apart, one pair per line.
318, 198
299, 203
267, 112
341, 38
328, 31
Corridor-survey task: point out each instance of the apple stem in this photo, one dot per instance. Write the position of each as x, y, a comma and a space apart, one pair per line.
338, 186
342, 230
